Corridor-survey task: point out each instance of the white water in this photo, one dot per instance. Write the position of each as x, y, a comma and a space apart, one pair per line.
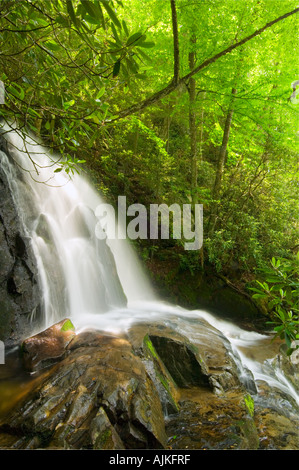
77, 272
75, 268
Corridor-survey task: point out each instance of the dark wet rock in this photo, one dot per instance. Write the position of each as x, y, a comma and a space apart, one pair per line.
288, 365
203, 359
152, 388
103, 434
20, 297
98, 396
212, 422
204, 290
277, 430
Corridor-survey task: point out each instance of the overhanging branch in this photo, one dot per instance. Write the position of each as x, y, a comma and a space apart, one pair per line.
177, 82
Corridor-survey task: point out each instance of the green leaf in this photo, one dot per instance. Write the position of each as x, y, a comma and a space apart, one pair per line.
32, 112
100, 93
68, 325
287, 339
63, 20
146, 44
16, 90
94, 13
68, 104
254, 289
89, 8
91, 20
132, 66
111, 13
71, 12
124, 24
116, 69
100, 13
134, 38
143, 54
52, 45
116, 37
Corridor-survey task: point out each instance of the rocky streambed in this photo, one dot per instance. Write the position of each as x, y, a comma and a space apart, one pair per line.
153, 387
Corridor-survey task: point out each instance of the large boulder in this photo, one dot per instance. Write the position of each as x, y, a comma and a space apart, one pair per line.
46, 348
99, 396
203, 359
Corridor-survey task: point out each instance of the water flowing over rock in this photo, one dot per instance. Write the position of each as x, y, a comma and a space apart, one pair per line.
190, 360
134, 372
152, 387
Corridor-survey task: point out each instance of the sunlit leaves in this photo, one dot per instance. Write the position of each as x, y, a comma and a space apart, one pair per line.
70, 166
279, 290
134, 38
76, 52
16, 91
71, 12
107, 4
94, 10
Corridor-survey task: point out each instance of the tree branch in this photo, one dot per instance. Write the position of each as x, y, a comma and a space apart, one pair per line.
238, 44
173, 84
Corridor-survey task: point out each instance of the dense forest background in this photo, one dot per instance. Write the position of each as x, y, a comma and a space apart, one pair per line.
173, 102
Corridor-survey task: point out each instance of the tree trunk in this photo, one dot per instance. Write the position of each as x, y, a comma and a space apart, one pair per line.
193, 137
192, 127
201, 133
220, 164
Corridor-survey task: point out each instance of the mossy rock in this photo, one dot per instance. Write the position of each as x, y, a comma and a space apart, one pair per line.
166, 387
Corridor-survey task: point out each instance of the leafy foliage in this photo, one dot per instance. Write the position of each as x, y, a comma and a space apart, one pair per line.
60, 62
280, 290
94, 79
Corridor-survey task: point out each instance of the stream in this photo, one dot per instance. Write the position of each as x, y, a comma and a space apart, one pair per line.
100, 284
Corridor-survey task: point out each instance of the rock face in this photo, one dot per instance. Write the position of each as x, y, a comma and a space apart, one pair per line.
19, 291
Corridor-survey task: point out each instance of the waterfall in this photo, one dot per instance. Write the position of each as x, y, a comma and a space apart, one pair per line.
78, 273
98, 283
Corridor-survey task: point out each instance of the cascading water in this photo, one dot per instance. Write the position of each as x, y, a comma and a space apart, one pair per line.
78, 274
95, 283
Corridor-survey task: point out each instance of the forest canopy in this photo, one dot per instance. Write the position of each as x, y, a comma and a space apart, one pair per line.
169, 101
